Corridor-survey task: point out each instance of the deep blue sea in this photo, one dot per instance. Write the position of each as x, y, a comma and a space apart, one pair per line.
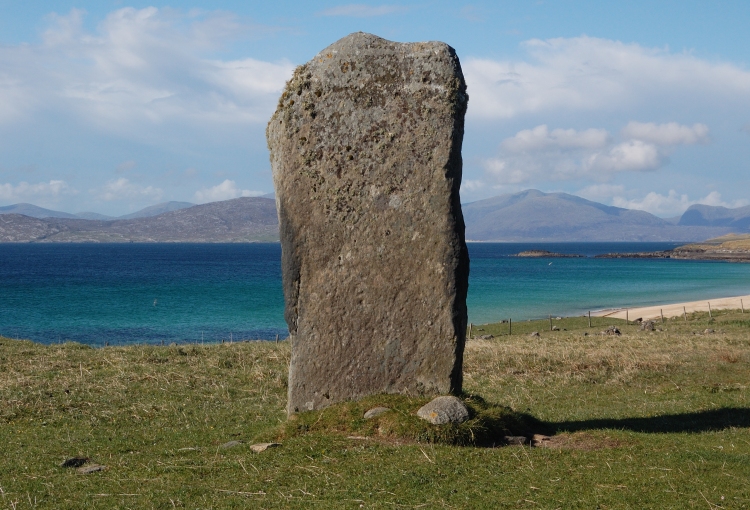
149, 293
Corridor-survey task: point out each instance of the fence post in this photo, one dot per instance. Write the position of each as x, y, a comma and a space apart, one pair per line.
684, 313
709, 310
510, 326
550, 323
742, 305
589, 318
470, 327
661, 311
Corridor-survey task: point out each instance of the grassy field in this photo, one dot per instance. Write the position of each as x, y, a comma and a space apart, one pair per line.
648, 419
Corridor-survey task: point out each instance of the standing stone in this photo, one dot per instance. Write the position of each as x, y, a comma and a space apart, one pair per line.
366, 158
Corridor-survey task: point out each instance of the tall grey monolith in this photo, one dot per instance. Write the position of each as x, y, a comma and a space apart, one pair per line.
366, 158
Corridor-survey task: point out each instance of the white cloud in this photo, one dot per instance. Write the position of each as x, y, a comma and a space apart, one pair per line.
43, 190
542, 138
632, 155
362, 10
224, 191
566, 154
469, 185
123, 189
589, 74
666, 134
714, 198
140, 67
671, 204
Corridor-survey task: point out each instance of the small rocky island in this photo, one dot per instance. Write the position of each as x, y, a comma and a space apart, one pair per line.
547, 254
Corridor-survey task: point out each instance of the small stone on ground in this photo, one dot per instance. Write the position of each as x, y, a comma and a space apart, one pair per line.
261, 447
515, 440
534, 333
442, 410
648, 326
74, 462
376, 411
91, 469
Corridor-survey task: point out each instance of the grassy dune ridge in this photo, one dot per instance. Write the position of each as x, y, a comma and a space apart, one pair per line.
644, 420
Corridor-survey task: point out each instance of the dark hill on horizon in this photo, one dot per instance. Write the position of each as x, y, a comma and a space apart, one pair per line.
532, 215
714, 216
239, 220
528, 216
34, 211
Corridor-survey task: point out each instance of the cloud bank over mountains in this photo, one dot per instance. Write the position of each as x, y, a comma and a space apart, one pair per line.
575, 79
648, 127
566, 154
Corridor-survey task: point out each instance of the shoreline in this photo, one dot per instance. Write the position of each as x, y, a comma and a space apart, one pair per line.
675, 309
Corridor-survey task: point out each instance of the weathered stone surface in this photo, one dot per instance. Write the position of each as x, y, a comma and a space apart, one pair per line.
611, 331
445, 409
376, 411
648, 326
366, 158
94, 468
261, 447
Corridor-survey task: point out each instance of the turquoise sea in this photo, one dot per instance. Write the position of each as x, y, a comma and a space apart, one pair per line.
153, 293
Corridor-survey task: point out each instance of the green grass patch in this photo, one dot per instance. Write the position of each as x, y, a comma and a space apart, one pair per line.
648, 419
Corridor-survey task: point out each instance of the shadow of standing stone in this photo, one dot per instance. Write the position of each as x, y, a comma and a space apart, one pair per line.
366, 158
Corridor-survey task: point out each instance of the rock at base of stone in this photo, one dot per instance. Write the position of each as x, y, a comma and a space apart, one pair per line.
442, 410
376, 411
534, 334
611, 331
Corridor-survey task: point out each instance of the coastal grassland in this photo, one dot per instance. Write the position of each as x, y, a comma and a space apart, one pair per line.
648, 419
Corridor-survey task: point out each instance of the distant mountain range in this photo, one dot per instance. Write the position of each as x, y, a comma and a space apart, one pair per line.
535, 216
528, 216
239, 220
708, 216
40, 212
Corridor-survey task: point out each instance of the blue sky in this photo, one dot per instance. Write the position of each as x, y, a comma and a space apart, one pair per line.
113, 106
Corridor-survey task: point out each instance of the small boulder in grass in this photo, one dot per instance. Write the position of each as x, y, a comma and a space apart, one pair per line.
443, 410
376, 411
94, 468
74, 462
261, 447
534, 334
648, 326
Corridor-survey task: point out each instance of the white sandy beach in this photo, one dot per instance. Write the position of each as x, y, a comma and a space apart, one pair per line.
676, 309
